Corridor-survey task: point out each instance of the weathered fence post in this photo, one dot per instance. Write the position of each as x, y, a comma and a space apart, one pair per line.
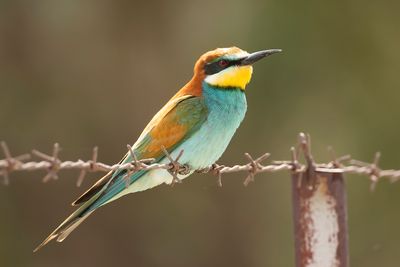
320, 215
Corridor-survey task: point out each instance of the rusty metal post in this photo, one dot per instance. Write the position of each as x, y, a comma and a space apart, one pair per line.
320, 216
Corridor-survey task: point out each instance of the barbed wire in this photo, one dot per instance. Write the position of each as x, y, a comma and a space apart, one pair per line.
53, 164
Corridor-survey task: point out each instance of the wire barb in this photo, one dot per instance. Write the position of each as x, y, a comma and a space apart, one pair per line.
92, 167
337, 162
375, 171
10, 163
54, 161
305, 144
136, 165
255, 167
217, 171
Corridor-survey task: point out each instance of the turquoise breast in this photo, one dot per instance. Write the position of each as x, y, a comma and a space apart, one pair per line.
226, 110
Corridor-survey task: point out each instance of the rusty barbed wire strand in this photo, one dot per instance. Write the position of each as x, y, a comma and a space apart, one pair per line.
53, 164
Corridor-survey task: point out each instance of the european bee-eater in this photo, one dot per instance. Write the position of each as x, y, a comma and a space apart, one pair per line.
199, 119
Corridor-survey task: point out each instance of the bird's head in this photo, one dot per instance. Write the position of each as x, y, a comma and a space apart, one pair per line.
228, 67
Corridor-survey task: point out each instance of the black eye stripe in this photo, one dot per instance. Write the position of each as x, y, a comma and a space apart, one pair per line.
215, 67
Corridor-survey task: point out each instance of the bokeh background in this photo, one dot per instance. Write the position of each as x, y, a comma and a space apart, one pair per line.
86, 73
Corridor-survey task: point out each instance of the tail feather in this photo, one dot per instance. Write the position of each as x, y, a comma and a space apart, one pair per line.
62, 231
91, 200
73, 221
65, 233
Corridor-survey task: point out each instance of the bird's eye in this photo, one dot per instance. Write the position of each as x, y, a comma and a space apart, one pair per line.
223, 63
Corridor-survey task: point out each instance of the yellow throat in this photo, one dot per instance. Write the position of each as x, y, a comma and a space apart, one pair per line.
233, 77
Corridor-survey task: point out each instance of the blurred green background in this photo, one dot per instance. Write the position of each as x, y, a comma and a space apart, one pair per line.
86, 73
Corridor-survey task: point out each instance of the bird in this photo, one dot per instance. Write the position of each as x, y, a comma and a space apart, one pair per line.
200, 119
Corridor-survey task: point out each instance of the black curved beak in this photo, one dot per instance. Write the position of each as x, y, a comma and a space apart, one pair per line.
256, 56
